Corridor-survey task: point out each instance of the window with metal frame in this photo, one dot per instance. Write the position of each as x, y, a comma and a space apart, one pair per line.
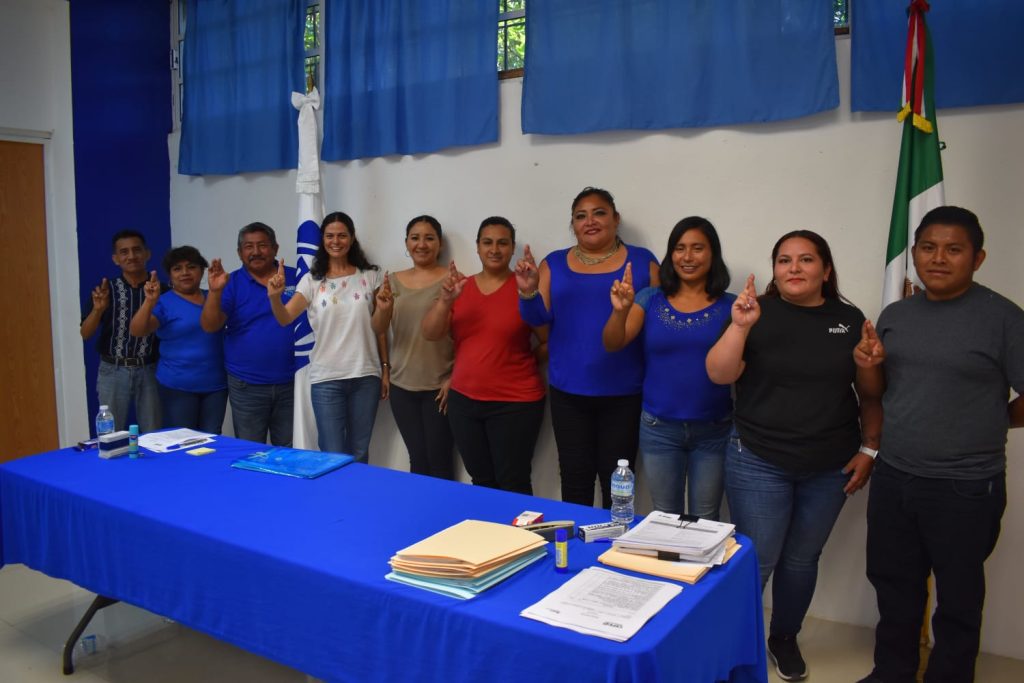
178, 21
311, 41
511, 37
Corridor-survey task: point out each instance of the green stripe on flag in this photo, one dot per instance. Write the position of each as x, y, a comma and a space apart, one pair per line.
918, 185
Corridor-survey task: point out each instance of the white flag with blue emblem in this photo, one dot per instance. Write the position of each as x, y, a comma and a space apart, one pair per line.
307, 240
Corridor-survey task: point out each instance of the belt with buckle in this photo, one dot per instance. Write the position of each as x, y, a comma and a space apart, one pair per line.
124, 362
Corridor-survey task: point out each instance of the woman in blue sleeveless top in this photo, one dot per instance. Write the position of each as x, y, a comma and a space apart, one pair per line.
686, 418
595, 395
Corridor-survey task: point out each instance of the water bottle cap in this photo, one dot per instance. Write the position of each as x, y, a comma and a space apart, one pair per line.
104, 407
623, 463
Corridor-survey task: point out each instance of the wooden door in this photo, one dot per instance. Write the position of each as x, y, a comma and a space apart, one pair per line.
28, 407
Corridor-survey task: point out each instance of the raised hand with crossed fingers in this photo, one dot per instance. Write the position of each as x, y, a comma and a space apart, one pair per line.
101, 296
276, 283
527, 274
144, 322
746, 310
152, 287
452, 286
385, 297
869, 352
622, 293
436, 322
216, 276
384, 306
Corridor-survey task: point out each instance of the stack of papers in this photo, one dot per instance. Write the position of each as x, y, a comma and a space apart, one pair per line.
687, 572
603, 603
467, 558
667, 537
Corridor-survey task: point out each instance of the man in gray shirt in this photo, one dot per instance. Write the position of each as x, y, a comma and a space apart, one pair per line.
951, 355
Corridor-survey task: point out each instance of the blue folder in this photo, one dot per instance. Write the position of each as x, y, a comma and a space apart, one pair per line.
293, 462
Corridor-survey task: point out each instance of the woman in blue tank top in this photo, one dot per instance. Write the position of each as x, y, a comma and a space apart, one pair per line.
595, 395
686, 418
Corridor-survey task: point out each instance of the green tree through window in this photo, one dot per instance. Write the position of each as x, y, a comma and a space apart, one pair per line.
311, 43
511, 34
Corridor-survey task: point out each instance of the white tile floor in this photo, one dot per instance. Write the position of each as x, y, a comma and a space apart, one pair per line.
37, 613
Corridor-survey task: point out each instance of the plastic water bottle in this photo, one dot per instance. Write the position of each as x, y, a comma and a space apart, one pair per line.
622, 493
104, 421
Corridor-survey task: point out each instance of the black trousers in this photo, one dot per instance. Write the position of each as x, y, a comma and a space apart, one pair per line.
592, 433
425, 431
496, 439
917, 526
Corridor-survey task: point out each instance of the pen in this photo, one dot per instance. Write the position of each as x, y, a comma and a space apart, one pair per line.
682, 525
188, 442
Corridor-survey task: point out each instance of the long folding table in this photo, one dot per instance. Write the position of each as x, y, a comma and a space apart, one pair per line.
293, 570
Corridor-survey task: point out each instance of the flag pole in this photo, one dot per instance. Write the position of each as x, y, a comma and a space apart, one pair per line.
307, 240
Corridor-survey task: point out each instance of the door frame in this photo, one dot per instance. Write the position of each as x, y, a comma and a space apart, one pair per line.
62, 258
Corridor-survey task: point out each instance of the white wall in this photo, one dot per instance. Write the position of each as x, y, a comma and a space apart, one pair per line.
833, 173
35, 106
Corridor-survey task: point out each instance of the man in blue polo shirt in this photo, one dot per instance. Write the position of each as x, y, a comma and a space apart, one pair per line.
258, 352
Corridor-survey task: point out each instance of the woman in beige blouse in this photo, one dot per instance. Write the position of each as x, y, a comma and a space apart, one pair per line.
421, 369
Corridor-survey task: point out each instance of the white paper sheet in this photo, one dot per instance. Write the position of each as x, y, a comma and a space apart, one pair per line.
603, 603
174, 440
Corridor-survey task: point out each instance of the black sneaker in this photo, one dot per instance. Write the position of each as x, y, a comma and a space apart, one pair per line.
788, 663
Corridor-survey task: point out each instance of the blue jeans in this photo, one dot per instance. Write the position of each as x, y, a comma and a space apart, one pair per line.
202, 411
345, 410
789, 516
259, 408
120, 387
674, 451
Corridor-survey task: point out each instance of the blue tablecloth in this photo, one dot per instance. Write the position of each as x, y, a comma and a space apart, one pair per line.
294, 570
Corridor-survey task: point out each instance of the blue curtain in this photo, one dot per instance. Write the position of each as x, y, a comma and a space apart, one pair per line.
242, 59
408, 76
613, 64
121, 114
976, 52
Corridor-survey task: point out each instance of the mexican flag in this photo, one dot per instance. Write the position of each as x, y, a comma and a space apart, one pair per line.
919, 178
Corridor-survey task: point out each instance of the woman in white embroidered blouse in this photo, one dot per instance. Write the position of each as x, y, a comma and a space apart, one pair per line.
348, 301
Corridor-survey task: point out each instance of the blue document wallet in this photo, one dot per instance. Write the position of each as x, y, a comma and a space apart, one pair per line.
293, 462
